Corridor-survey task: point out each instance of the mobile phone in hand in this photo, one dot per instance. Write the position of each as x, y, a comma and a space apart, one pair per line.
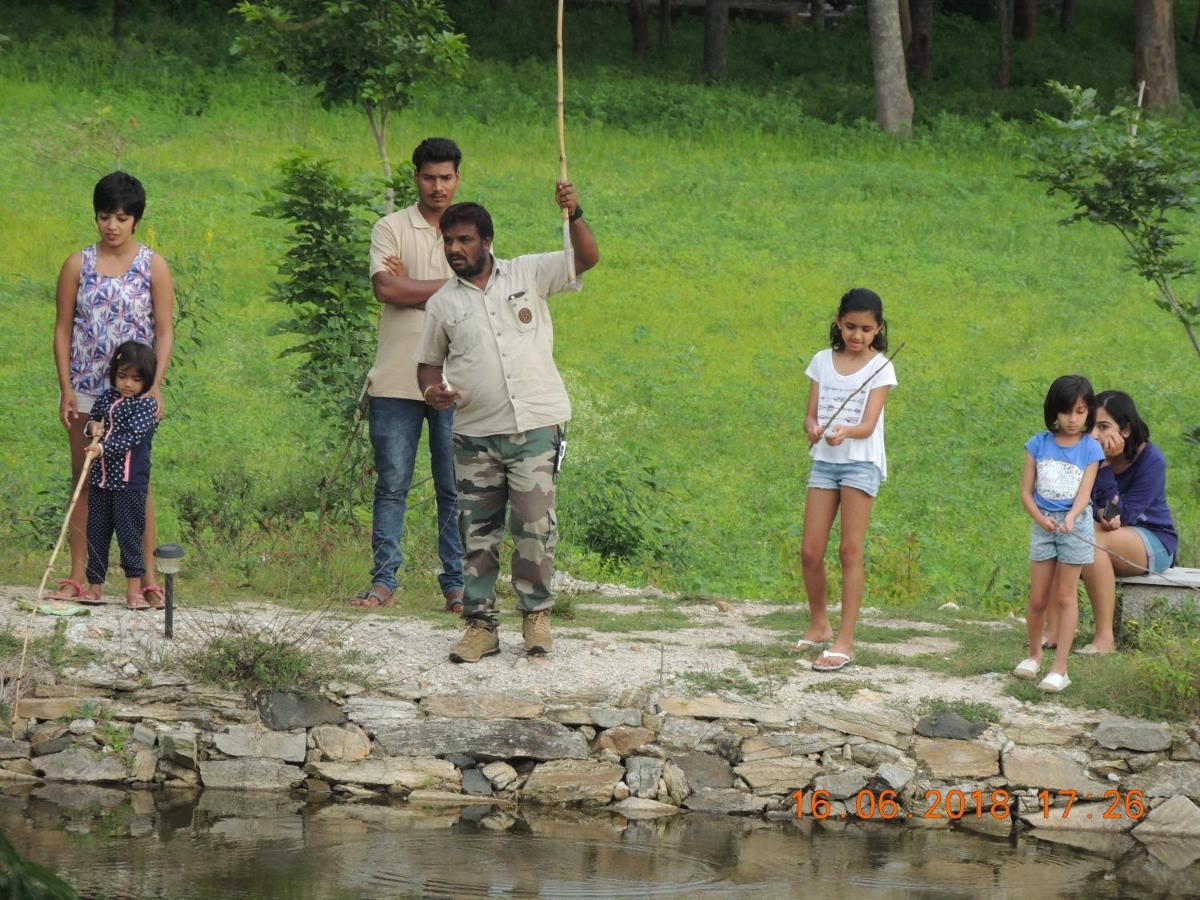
1110, 508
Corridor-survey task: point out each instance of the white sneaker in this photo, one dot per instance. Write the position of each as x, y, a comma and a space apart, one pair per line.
1054, 683
1027, 668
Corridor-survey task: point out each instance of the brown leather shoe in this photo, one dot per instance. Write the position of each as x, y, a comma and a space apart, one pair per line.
535, 628
479, 640
454, 603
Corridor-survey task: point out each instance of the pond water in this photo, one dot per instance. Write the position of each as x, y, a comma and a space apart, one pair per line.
138, 844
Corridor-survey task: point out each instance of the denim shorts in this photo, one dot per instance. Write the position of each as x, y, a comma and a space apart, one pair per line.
1066, 548
1157, 558
834, 476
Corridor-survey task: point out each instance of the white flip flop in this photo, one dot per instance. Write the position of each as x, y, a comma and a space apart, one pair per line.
845, 658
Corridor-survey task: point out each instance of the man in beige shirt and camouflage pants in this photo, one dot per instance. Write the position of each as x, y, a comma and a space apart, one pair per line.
408, 265
488, 344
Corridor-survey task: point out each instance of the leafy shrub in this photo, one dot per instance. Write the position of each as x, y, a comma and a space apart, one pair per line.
1168, 661
618, 508
223, 515
1169, 678
294, 651
324, 283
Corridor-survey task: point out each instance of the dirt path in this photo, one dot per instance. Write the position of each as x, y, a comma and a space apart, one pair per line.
409, 655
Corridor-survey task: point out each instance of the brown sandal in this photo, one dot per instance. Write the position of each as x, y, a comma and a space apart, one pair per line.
160, 596
377, 597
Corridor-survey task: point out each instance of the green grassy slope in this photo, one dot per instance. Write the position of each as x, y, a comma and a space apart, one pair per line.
724, 252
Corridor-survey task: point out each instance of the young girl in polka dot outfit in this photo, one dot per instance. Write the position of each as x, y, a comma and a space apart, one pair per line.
121, 425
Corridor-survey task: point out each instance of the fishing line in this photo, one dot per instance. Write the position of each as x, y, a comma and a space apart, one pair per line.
886, 361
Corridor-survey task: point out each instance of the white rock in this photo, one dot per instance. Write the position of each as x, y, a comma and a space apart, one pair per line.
1177, 816
500, 774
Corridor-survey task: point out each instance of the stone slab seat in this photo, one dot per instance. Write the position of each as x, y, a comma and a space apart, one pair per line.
1136, 593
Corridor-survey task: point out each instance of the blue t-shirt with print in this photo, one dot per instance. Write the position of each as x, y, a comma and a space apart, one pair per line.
1060, 469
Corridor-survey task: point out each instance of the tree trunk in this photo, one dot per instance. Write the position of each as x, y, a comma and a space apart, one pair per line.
920, 51
377, 116
1196, 30
906, 27
664, 25
1066, 16
118, 20
639, 21
716, 29
1025, 20
1154, 53
1004, 17
816, 14
893, 102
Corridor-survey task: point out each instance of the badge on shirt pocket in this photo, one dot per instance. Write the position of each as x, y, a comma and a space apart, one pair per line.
522, 310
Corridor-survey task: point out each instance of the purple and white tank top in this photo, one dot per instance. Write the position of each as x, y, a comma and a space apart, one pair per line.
109, 310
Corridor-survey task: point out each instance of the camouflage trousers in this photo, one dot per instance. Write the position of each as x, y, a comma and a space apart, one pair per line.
514, 471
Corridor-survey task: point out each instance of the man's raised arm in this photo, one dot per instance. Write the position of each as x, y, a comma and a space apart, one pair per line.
587, 254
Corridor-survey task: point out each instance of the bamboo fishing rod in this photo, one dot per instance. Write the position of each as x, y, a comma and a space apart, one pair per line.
562, 151
41, 591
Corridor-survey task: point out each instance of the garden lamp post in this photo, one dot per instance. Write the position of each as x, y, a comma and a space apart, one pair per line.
168, 559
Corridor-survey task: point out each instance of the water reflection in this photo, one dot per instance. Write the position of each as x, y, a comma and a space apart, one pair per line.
134, 844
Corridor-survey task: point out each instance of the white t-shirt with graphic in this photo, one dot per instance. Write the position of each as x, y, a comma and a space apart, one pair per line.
1060, 469
833, 390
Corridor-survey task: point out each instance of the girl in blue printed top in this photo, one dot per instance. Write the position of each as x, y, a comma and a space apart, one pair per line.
1056, 490
121, 425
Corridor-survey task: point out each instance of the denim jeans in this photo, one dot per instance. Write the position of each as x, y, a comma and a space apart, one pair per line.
395, 428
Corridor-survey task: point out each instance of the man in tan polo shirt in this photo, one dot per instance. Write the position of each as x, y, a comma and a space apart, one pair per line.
488, 345
408, 265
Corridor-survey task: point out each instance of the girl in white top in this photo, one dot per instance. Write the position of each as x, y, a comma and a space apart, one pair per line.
844, 425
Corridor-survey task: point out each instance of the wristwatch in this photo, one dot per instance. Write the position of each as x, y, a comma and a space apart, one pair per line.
577, 215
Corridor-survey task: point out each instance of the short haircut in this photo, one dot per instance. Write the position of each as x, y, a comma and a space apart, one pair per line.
1062, 397
860, 300
119, 192
1120, 406
137, 356
468, 214
436, 150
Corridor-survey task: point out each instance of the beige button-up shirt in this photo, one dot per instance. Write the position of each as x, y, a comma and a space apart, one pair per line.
405, 234
496, 346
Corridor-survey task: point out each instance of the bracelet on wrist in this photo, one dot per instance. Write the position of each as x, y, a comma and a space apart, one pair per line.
425, 393
577, 215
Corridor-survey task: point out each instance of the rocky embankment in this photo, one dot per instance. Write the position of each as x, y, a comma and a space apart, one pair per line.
643, 753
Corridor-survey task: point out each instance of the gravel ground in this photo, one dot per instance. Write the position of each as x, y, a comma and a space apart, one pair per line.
405, 655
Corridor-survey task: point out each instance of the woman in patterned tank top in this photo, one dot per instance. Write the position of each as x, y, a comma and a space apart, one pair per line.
113, 291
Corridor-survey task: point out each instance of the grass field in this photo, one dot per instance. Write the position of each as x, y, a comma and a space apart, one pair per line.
725, 247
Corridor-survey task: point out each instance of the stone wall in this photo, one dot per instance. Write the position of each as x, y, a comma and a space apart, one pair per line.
642, 754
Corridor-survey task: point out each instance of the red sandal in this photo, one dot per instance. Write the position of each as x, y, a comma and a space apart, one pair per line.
160, 596
78, 590
136, 601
